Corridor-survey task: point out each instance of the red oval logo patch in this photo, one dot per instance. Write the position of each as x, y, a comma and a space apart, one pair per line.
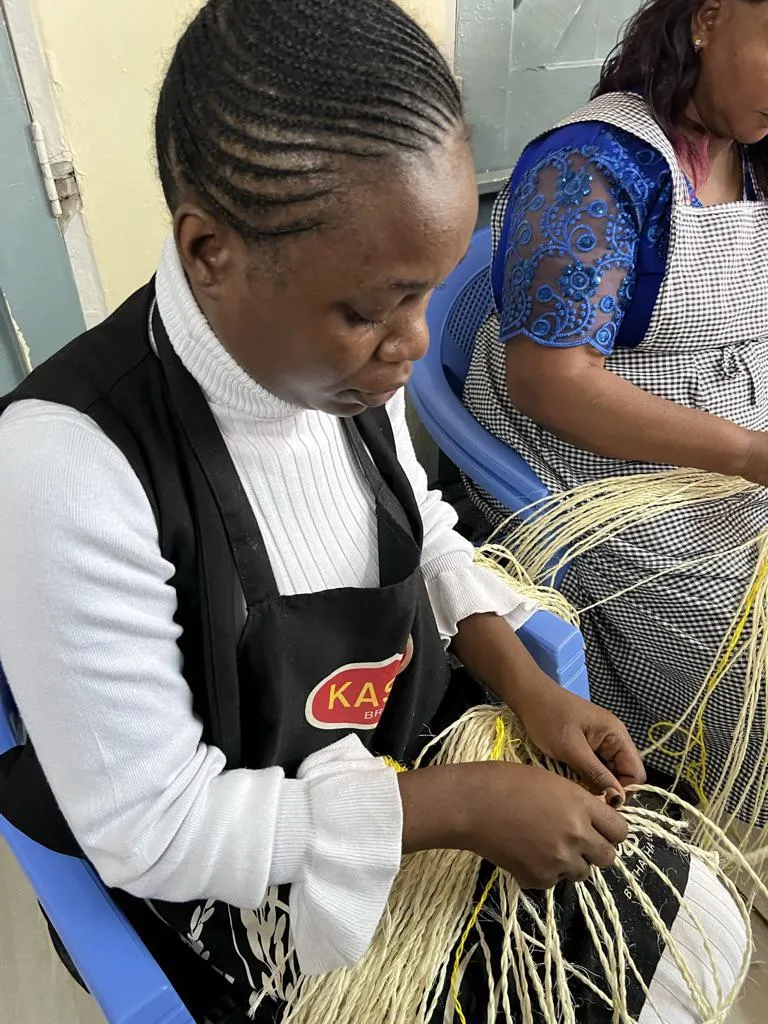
354, 697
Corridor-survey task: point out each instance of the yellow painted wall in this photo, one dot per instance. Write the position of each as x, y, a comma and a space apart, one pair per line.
107, 59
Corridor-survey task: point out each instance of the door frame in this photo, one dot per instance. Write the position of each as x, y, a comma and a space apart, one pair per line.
37, 83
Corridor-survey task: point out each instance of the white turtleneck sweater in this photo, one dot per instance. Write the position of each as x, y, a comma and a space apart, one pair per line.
89, 645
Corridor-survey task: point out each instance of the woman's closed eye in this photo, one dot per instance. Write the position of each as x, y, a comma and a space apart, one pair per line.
356, 319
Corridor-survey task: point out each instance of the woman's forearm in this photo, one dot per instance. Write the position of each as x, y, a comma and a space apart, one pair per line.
495, 655
594, 409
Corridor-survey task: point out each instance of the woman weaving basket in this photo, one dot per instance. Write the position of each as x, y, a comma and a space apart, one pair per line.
227, 592
631, 248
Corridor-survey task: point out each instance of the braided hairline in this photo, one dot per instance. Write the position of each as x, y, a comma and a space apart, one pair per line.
266, 101
238, 68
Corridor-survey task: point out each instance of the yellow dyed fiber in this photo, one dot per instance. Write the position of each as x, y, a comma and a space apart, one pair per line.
433, 916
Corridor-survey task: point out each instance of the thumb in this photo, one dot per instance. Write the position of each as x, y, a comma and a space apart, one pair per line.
592, 772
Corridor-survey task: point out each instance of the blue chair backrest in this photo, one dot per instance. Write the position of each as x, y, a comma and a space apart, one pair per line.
458, 309
471, 308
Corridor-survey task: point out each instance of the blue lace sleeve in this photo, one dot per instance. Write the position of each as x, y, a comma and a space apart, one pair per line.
569, 268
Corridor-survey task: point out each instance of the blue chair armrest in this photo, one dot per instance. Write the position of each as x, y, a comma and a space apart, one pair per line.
7, 738
558, 649
8, 716
113, 962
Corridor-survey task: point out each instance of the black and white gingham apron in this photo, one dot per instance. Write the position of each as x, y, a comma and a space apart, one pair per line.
706, 348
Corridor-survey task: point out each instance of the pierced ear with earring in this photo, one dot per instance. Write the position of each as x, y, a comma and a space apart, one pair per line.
698, 44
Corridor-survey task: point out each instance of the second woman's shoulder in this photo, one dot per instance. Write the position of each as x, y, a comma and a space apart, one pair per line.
632, 167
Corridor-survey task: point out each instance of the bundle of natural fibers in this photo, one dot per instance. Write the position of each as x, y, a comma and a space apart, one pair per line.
551, 533
435, 917
548, 536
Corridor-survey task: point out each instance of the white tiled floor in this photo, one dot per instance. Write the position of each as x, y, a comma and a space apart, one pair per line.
35, 988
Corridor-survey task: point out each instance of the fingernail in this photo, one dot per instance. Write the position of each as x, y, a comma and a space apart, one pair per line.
614, 799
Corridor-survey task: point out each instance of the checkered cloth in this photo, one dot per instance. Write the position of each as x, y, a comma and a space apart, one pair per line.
707, 348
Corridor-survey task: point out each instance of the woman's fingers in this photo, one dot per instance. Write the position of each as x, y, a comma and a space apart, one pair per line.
600, 852
609, 823
580, 871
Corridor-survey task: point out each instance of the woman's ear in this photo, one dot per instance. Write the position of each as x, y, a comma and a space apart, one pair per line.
208, 250
705, 22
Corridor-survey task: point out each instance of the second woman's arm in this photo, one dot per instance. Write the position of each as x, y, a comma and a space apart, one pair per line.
570, 268
572, 393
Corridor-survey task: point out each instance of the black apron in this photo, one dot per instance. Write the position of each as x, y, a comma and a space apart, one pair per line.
313, 667
274, 678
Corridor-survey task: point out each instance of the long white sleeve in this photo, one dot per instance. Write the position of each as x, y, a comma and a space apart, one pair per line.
88, 642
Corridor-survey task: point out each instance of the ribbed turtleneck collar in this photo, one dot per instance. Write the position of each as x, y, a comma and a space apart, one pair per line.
224, 383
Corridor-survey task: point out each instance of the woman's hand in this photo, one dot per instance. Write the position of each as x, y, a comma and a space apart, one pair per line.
536, 825
587, 738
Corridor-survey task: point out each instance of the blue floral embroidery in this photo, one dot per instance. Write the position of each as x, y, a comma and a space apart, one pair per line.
574, 224
626, 291
573, 187
605, 337
579, 282
584, 222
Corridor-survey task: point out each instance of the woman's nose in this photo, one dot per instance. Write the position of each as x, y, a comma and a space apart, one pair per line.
409, 340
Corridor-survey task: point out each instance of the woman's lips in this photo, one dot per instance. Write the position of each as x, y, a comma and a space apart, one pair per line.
373, 399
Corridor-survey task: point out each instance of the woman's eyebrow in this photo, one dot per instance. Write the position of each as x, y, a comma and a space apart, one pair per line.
407, 285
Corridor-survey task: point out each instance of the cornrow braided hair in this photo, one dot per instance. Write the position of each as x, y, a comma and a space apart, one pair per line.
266, 101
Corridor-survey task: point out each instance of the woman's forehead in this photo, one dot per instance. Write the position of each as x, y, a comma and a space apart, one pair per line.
404, 231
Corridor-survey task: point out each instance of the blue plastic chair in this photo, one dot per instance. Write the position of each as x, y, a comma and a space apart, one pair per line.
459, 307
113, 962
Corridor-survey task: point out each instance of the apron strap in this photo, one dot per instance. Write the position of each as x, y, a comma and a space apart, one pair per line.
373, 442
249, 551
385, 500
629, 112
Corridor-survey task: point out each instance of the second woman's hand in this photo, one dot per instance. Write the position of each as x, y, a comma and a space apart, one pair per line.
535, 824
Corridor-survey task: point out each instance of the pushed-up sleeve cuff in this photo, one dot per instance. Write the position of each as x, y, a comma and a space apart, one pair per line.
458, 589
